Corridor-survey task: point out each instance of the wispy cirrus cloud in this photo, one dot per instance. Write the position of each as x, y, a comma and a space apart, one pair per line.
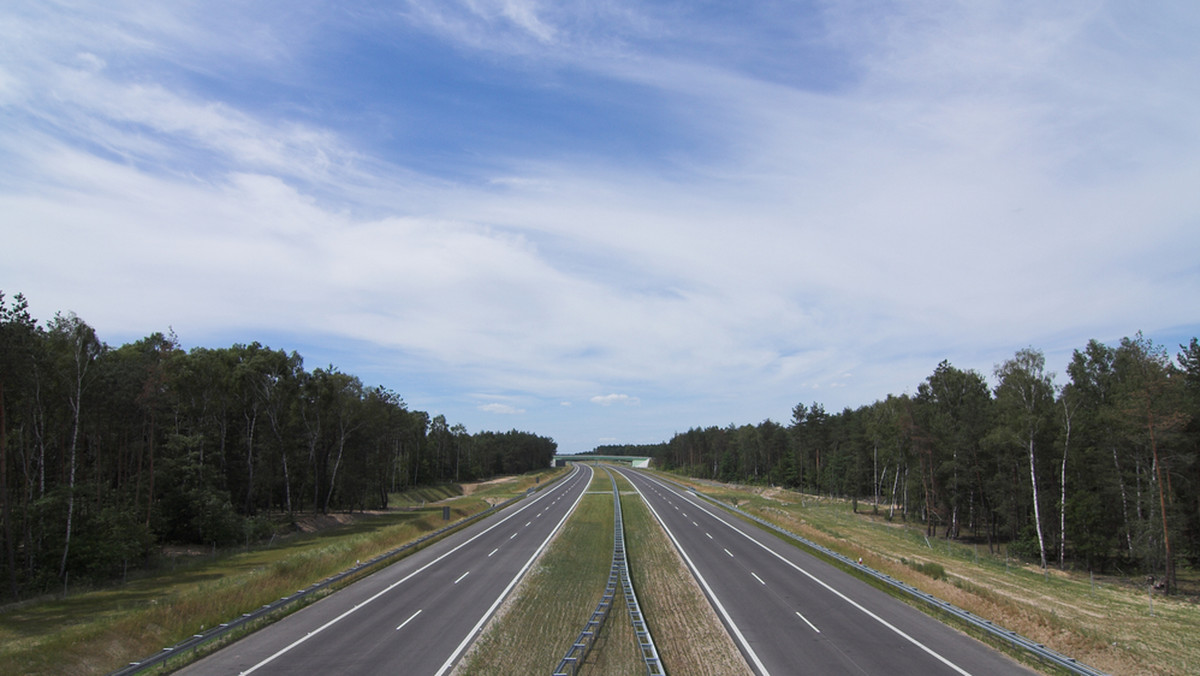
724, 210
503, 409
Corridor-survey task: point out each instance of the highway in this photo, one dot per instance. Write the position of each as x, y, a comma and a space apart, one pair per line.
418, 615
791, 613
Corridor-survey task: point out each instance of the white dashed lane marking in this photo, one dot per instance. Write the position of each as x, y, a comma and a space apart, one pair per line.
410, 619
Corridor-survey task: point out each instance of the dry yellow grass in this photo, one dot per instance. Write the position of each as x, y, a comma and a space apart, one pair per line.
616, 650
532, 630
1108, 627
99, 631
687, 632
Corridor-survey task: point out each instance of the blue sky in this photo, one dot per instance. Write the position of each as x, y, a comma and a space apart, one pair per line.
608, 221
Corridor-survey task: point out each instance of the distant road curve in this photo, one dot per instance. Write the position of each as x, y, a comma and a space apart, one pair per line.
418, 615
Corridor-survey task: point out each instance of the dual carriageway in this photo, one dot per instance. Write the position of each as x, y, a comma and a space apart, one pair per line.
787, 611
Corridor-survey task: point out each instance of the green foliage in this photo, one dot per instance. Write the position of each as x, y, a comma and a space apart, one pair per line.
110, 542
107, 453
1091, 542
933, 569
1106, 464
1025, 545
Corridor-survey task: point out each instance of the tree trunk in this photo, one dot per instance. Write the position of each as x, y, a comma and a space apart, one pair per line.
1037, 514
875, 471
952, 529
251, 420
1062, 505
62, 569
9, 556
892, 502
39, 433
150, 499
287, 483
333, 475
1162, 503
1124, 500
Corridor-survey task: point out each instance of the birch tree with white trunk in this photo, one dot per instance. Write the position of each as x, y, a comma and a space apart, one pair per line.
1025, 400
77, 348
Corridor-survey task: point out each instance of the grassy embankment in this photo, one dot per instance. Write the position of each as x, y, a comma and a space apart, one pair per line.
1107, 624
98, 631
536, 626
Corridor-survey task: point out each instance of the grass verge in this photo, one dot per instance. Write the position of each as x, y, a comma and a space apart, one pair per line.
687, 632
98, 631
422, 495
1105, 622
542, 617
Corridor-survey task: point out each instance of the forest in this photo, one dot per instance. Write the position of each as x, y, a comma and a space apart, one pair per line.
108, 453
1098, 472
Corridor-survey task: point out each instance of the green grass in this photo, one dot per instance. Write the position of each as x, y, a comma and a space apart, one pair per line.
543, 617
553, 603
423, 495
615, 652
686, 630
1108, 625
547, 611
101, 630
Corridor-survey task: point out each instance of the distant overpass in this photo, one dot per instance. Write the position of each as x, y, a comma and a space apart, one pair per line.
636, 461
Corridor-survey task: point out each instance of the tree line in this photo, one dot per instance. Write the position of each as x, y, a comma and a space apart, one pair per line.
106, 453
1098, 472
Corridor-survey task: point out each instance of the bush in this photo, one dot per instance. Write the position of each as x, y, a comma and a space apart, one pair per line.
1026, 546
109, 541
934, 570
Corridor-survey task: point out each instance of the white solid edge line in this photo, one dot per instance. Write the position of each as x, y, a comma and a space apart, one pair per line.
512, 583
699, 577
390, 587
839, 594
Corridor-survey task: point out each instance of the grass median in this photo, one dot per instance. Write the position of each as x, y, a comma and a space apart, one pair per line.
543, 616
687, 632
535, 628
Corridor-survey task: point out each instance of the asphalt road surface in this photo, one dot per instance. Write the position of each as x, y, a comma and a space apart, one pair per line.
791, 613
418, 615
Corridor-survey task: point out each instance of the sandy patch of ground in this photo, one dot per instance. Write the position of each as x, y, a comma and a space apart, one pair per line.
468, 489
172, 551
312, 523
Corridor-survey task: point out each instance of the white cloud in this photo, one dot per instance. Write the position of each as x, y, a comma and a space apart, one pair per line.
503, 409
983, 177
610, 399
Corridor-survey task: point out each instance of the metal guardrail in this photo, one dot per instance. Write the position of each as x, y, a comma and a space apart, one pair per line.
225, 628
1034, 648
618, 574
645, 640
